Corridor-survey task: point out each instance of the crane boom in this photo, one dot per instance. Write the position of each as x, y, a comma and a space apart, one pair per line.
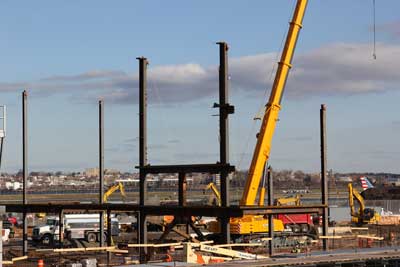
264, 139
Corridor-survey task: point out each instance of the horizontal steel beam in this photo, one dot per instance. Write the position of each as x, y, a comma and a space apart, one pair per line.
195, 168
188, 211
273, 210
148, 210
232, 211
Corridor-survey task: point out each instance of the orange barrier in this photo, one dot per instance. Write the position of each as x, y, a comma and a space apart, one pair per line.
212, 260
168, 258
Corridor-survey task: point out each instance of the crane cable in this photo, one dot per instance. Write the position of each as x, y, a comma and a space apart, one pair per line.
374, 28
263, 108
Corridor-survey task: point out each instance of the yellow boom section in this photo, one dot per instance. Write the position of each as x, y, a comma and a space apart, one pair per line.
112, 189
264, 139
351, 200
215, 191
353, 194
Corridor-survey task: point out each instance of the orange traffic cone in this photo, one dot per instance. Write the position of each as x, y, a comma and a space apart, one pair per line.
40, 263
200, 259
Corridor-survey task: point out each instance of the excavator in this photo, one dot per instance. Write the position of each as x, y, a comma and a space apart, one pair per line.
112, 189
253, 224
216, 193
364, 215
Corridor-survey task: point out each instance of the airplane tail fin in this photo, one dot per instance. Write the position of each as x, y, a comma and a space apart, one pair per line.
365, 183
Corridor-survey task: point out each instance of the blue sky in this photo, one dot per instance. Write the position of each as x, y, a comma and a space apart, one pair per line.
68, 54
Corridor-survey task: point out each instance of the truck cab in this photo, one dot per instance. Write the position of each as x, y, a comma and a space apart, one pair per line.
47, 233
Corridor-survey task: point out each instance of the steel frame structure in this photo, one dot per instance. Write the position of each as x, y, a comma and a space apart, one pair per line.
223, 167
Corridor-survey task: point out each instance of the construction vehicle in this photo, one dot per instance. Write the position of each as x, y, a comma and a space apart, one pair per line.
112, 189
363, 215
41, 215
77, 226
301, 223
264, 137
257, 224
297, 223
288, 201
217, 200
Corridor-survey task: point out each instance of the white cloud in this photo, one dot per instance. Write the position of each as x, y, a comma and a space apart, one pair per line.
336, 69
346, 69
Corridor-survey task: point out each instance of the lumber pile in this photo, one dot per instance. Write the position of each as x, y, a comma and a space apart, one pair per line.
390, 220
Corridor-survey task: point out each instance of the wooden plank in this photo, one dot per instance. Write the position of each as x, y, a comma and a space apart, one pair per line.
99, 248
19, 258
122, 251
69, 249
240, 245
330, 236
230, 252
176, 244
44, 250
140, 245
370, 237
196, 245
359, 228
167, 245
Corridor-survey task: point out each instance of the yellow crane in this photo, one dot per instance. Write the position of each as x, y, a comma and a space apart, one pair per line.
363, 215
258, 224
112, 189
264, 139
250, 224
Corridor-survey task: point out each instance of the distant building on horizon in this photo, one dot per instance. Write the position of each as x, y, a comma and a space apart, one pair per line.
91, 172
94, 172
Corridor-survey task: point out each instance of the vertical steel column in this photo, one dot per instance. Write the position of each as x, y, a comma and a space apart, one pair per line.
270, 193
101, 169
182, 189
61, 228
24, 170
142, 224
1, 244
142, 126
224, 110
324, 179
109, 231
223, 119
109, 236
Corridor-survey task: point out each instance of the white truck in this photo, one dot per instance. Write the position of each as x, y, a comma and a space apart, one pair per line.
76, 226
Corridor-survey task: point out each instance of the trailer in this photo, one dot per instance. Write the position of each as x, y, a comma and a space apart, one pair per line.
297, 223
